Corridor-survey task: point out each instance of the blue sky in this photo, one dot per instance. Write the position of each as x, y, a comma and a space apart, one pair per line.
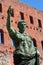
38, 4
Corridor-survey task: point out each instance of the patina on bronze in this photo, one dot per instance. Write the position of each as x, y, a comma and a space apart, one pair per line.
25, 53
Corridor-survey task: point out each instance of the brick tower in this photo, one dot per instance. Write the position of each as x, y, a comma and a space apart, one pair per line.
34, 21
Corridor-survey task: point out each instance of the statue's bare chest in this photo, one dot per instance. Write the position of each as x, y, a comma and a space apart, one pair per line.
24, 39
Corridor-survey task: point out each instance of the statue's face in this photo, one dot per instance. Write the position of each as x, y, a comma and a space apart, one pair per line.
22, 26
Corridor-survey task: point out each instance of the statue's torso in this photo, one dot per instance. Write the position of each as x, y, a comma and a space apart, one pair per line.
24, 45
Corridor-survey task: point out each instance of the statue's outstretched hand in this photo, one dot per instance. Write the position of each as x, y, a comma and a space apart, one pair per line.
9, 10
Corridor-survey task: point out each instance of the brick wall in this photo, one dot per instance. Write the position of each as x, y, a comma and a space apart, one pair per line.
34, 27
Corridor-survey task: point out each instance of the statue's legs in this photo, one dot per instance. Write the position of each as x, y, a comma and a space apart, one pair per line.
21, 60
32, 62
17, 59
28, 62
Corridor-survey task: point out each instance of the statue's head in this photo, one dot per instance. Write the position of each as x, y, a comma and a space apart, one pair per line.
22, 25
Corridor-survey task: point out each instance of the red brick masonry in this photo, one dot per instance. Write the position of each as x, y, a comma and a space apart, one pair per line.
35, 29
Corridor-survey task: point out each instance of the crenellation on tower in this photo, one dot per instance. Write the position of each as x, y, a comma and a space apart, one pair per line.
10, 0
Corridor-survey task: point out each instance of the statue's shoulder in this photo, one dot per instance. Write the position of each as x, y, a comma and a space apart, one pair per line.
28, 35
18, 34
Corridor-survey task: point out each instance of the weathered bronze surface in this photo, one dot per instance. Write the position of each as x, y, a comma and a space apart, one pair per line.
25, 53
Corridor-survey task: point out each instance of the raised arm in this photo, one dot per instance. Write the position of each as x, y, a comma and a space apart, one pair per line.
11, 31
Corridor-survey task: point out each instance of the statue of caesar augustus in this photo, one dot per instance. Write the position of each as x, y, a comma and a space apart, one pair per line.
25, 53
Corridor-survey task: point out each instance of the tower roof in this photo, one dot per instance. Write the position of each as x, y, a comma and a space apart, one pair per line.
11, 0
15, 0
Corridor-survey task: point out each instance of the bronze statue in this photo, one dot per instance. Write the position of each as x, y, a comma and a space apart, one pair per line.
25, 53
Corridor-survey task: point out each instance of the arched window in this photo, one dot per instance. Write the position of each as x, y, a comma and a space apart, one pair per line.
0, 7
39, 23
12, 13
12, 42
21, 15
42, 44
31, 20
34, 42
1, 36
